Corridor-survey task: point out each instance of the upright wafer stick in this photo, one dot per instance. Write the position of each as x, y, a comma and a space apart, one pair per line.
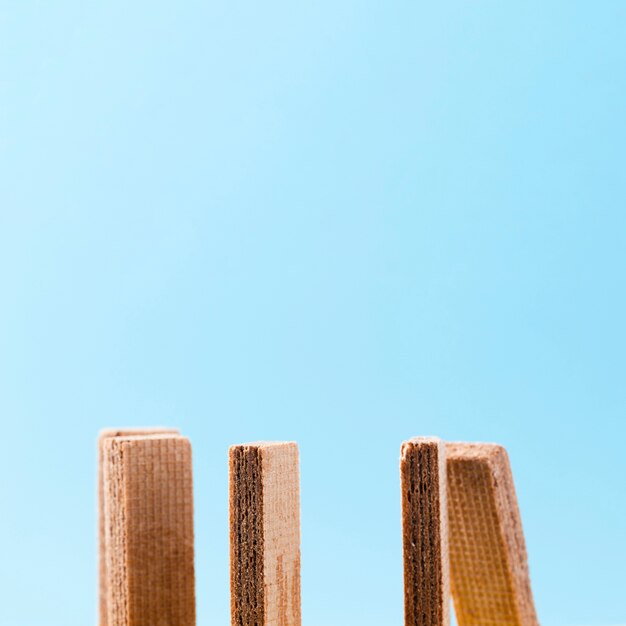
264, 534
488, 563
148, 512
102, 575
425, 532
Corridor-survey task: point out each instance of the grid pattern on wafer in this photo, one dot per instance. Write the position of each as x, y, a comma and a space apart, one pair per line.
102, 559
488, 563
149, 531
424, 529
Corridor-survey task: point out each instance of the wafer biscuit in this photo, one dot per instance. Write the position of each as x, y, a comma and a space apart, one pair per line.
264, 534
488, 562
102, 575
148, 513
425, 532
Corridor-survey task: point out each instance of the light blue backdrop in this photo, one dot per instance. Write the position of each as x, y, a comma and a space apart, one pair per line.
344, 223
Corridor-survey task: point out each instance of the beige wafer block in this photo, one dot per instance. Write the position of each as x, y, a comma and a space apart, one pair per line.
264, 534
488, 562
102, 575
148, 512
425, 532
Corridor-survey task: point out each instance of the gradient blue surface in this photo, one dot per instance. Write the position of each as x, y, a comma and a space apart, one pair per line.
340, 223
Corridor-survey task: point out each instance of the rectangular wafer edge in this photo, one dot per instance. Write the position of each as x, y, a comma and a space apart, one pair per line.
148, 530
264, 491
425, 532
102, 575
488, 560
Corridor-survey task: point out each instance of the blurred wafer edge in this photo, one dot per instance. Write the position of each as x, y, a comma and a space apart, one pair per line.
488, 562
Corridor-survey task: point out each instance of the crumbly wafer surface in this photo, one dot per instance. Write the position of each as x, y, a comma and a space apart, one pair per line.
246, 541
424, 532
488, 561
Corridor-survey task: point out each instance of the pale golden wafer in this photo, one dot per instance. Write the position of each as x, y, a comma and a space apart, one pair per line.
488, 562
264, 534
425, 532
148, 512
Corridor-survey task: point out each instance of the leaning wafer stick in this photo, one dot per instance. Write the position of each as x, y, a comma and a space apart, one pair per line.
102, 573
148, 511
264, 534
488, 563
425, 532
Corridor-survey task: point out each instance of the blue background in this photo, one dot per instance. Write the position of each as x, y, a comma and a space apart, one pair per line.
344, 223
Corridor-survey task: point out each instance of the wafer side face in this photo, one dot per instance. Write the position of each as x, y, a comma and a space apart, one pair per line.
102, 573
488, 561
148, 517
425, 532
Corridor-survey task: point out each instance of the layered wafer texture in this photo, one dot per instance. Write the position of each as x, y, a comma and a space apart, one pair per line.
102, 568
488, 561
148, 530
424, 532
264, 534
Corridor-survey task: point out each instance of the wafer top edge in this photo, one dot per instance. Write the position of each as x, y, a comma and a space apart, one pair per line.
481, 452
107, 433
139, 439
263, 445
414, 442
